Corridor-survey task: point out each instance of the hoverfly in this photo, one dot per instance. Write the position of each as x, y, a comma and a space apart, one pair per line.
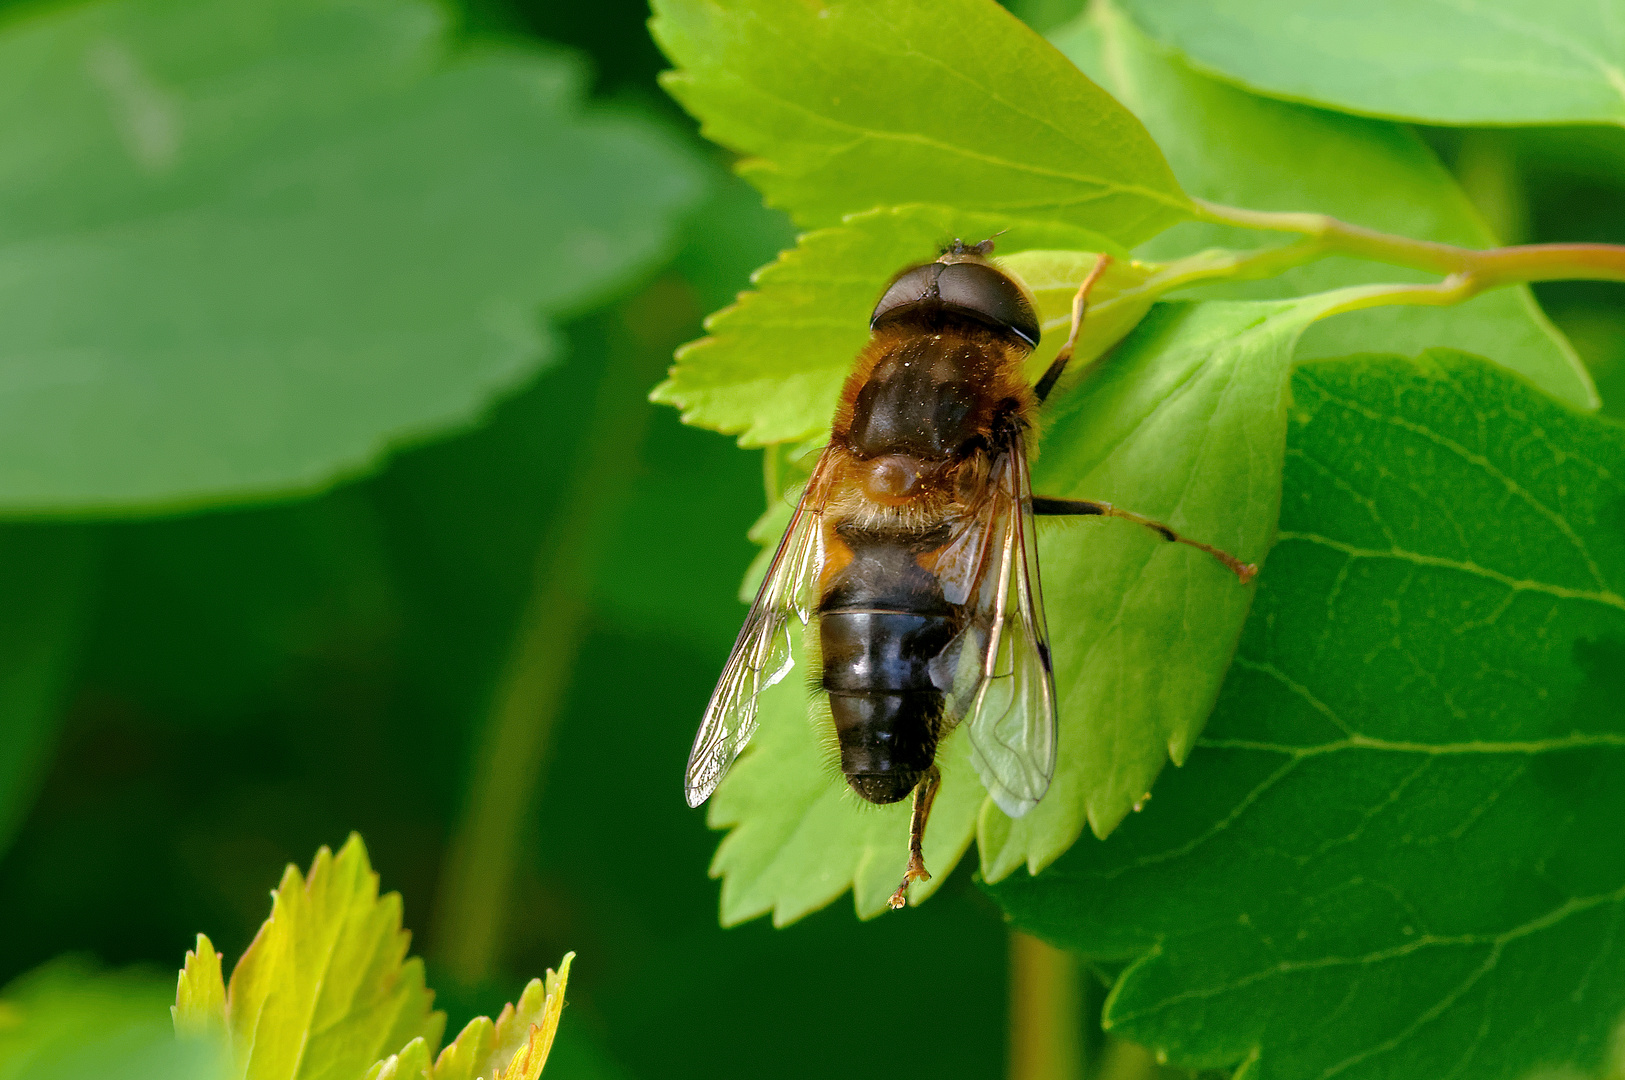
913, 546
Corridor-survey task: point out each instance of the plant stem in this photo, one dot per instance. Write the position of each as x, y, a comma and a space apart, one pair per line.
1046, 1011
477, 881
1475, 270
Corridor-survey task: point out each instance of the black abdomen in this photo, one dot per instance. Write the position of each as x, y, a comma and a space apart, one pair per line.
882, 620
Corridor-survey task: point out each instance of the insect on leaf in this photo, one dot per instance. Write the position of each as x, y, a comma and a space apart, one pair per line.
1186, 422
1392, 852
847, 105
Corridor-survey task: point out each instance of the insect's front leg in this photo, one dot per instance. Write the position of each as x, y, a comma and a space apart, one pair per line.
1043, 507
1080, 304
925, 792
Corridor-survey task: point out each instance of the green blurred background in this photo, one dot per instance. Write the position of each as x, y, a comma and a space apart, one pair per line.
230, 689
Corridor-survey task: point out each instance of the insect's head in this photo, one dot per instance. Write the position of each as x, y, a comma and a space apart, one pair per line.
960, 282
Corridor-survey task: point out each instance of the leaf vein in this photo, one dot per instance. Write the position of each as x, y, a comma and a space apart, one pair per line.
1480, 461
1603, 595
1108, 187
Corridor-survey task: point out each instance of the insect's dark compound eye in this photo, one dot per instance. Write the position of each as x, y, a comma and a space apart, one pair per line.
972, 289
978, 289
910, 289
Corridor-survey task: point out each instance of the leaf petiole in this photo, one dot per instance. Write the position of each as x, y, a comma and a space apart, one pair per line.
1469, 271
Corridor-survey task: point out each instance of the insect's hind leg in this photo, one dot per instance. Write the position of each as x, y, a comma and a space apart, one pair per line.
925, 794
1080, 507
1080, 304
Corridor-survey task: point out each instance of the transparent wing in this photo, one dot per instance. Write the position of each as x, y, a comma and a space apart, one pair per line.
761, 655
997, 673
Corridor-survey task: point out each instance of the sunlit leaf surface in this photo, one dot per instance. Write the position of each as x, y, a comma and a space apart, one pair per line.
855, 104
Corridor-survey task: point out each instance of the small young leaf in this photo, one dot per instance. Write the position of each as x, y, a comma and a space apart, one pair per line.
1393, 851
1491, 62
247, 249
325, 989
528, 1062
414, 1062
772, 367
1233, 147
513, 1047
849, 105
200, 998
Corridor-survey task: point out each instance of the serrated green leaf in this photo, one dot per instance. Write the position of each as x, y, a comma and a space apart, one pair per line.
325, 989
1185, 425
848, 105
513, 1047
46, 584
68, 1021
199, 1011
537, 1021
1392, 853
246, 249
486, 1049
772, 367
1491, 62
414, 1062
1235, 148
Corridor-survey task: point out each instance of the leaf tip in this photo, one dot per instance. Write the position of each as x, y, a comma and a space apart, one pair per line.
200, 994
528, 1062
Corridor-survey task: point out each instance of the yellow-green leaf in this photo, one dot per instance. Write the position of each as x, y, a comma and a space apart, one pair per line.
513, 1047
412, 1063
847, 105
200, 999
524, 1035
325, 989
